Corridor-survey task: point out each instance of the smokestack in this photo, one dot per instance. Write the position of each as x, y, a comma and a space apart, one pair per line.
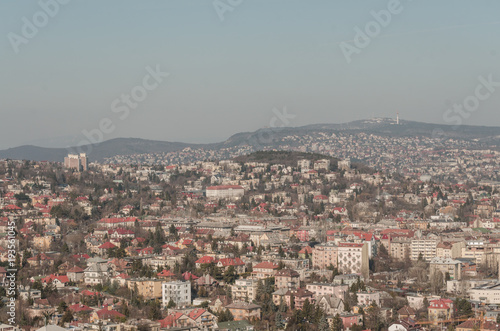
397, 118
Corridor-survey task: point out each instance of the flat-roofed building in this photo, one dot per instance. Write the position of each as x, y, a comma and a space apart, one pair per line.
353, 259
325, 255
225, 192
423, 247
179, 292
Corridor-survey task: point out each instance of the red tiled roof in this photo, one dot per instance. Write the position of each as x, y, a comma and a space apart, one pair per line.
170, 320
194, 314
108, 313
189, 276
75, 269
231, 262
205, 259
78, 307
107, 245
11, 207
165, 273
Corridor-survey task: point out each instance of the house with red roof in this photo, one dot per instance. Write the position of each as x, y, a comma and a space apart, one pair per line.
87, 293
202, 318
40, 259
81, 257
184, 243
237, 263
80, 308
169, 249
12, 208
105, 314
189, 276
146, 251
206, 280
204, 260
166, 274
441, 309
198, 318
305, 251
57, 280
103, 249
172, 320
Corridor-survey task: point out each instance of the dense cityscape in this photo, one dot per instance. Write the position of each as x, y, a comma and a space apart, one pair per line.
272, 240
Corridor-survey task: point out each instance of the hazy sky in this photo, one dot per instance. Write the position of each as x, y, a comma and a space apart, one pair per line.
231, 62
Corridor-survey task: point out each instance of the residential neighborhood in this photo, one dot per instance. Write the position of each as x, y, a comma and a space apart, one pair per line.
270, 240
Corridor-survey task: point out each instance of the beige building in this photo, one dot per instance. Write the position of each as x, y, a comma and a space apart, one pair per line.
287, 278
147, 288
446, 265
264, 270
475, 252
449, 249
244, 290
324, 255
400, 249
244, 311
42, 242
79, 162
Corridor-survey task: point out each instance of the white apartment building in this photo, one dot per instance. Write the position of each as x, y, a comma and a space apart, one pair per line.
488, 293
304, 164
320, 289
179, 292
225, 192
367, 298
426, 247
353, 259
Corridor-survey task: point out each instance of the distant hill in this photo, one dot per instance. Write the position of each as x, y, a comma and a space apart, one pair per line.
109, 148
269, 138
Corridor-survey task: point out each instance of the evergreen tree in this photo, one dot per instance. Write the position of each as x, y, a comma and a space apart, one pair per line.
171, 304
230, 275
323, 324
278, 321
337, 324
67, 317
